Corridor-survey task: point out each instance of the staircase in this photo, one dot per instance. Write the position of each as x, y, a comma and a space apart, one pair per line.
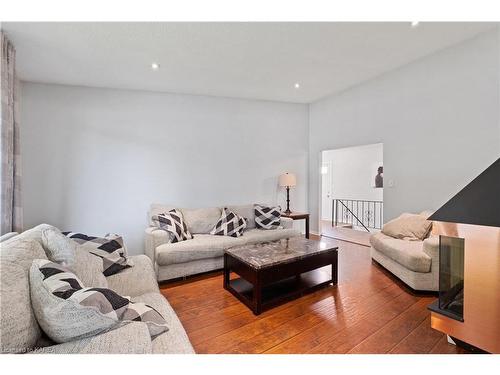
352, 213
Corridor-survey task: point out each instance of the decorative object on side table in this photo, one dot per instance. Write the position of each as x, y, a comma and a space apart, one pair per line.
287, 181
299, 216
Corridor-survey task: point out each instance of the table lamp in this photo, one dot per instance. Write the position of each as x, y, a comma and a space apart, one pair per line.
287, 180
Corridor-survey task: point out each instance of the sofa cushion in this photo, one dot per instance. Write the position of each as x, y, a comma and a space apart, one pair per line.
175, 340
135, 280
6, 236
22, 251
34, 233
253, 236
408, 227
18, 326
247, 211
131, 338
66, 310
19, 330
202, 246
229, 224
88, 268
407, 253
201, 220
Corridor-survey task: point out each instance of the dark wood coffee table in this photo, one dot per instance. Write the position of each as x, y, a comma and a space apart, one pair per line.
274, 272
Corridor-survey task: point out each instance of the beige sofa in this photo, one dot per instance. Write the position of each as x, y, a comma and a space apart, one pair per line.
204, 252
416, 263
20, 332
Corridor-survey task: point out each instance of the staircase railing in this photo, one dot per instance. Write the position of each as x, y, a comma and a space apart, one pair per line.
363, 213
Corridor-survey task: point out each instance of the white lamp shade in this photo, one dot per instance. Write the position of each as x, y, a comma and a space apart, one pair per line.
287, 179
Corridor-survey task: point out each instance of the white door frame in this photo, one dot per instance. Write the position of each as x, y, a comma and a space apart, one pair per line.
328, 176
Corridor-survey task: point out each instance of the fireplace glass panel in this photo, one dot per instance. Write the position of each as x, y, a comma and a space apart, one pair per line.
451, 276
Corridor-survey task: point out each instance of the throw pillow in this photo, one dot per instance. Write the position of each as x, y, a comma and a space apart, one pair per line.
247, 211
229, 224
110, 249
267, 217
58, 247
62, 250
67, 311
410, 227
173, 222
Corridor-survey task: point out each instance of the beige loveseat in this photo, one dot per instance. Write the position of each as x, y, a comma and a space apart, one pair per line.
204, 252
20, 332
416, 263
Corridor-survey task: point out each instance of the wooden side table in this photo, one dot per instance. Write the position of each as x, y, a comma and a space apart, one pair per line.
299, 216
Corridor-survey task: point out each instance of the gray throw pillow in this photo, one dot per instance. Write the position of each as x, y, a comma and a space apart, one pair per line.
411, 227
58, 247
67, 311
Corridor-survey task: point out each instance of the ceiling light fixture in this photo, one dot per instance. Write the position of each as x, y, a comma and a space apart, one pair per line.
414, 24
155, 66
297, 85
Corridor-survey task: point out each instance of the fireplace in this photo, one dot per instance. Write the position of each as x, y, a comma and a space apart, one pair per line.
451, 278
468, 304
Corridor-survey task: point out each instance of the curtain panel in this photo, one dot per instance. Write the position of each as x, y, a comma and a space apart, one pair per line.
11, 209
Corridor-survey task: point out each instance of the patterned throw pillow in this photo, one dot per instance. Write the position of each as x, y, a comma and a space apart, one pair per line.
173, 222
66, 310
62, 250
267, 217
109, 248
229, 224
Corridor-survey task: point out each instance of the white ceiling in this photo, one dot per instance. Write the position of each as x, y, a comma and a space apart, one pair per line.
246, 60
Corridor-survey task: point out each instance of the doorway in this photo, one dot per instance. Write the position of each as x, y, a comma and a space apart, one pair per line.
352, 192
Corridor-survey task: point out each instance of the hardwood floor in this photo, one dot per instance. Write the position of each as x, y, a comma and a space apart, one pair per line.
345, 234
369, 311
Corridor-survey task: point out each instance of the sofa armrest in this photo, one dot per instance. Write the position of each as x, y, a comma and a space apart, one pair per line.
286, 222
431, 248
7, 236
131, 338
154, 237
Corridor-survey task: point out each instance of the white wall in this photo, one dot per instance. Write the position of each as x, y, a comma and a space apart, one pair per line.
94, 159
438, 119
353, 171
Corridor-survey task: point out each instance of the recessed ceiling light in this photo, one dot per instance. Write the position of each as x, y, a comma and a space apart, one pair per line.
414, 24
155, 66
297, 85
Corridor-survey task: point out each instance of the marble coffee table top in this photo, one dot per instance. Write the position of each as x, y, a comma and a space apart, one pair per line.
281, 251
